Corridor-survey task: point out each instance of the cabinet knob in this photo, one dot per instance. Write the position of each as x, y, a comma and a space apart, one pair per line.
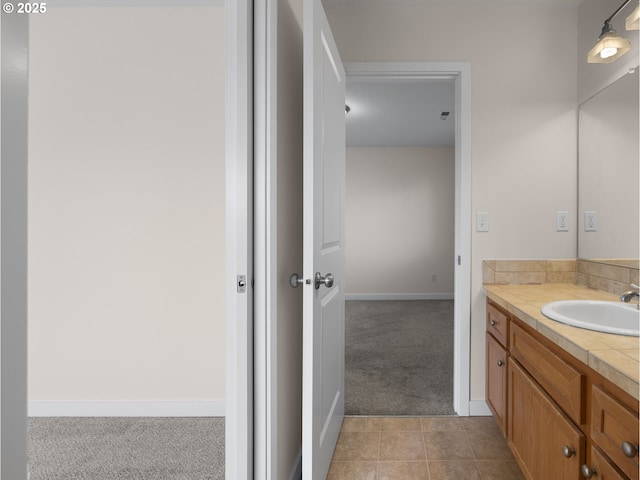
493, 323
500, 363
629, 449
587, 471
567, 451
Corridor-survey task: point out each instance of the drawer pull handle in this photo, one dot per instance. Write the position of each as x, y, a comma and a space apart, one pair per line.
630, 450
500, 363
568, 451
493, 323
587, 472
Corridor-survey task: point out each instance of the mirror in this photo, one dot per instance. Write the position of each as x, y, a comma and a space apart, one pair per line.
608, 174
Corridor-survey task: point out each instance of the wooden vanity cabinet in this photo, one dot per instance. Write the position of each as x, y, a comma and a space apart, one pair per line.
498, 324
496, 386
564, 383
614, 428
601, 468
562, 419
545, 442
496, 364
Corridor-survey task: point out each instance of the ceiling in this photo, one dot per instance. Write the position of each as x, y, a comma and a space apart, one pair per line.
460, 3
394, 113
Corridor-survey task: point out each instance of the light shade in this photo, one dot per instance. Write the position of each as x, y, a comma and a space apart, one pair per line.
609, 48
633, 20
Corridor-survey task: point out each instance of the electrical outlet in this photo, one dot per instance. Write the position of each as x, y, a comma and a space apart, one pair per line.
562, 221
482, 221
590, 221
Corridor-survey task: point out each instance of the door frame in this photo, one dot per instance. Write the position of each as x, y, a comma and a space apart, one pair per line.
13, 247
460, 73
264, 181
239, 237
265, 333
239, 384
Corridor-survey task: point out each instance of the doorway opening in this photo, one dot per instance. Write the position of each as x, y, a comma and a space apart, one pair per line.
416, 261
126, 221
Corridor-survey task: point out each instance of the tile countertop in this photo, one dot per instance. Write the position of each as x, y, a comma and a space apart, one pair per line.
615, 357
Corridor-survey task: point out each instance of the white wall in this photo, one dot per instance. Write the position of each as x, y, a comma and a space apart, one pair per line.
126, 205
400, 222
523, 119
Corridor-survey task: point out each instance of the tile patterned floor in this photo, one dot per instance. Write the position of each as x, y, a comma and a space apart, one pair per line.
428, 448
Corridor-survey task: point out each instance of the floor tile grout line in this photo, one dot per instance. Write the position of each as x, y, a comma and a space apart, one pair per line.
466, 434
475, 458
426, 455
379, 449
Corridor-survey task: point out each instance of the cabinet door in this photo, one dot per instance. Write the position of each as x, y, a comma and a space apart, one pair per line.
601, 468
497, 382
612, 424
545, 442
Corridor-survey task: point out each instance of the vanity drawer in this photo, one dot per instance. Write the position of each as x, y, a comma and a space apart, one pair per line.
496, 385
497, 324
612, 424
562, 382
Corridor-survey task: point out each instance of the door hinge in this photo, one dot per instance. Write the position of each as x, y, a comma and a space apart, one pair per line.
241, 282
459, 260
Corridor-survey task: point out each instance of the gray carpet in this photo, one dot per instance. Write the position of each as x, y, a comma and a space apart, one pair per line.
126, 448
399, 357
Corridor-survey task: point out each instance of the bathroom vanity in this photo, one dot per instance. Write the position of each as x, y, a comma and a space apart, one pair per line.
566, 398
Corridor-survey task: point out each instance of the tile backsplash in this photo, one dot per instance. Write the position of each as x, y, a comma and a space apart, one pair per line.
609, 276
528, 272
612, 278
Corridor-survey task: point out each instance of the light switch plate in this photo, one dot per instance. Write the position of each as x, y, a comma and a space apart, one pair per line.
482, 221
590, 221
562, 221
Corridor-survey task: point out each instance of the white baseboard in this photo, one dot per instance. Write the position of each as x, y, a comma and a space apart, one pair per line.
479, 408
398, 296
296, 471
203, 408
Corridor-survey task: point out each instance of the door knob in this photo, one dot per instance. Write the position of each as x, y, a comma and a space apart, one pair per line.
295, 280
327, 280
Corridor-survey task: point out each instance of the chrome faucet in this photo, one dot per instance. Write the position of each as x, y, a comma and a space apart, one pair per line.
628, 295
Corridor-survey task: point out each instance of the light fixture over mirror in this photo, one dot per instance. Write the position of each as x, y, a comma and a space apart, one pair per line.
633, 20
610, 45
609, 48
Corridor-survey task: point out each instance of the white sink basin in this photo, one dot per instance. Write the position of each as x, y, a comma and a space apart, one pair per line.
609, 317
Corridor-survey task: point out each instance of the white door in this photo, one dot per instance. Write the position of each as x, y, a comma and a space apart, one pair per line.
323, 253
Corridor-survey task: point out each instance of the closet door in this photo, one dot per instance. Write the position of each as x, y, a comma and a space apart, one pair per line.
323, 239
